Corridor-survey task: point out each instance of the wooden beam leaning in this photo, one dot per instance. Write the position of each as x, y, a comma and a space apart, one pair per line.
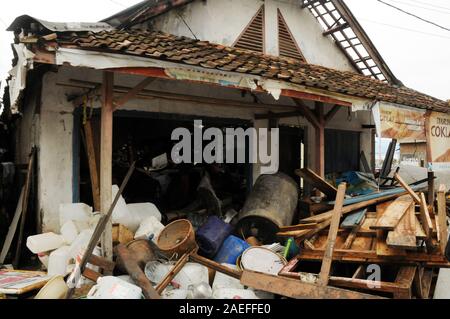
405, 185
442, 218
294, 288
106, 160
132, 93
92, 161
427, 224
324, 276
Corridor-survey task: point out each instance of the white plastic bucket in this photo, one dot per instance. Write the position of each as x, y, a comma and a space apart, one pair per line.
114, 288
44, 242
58, 261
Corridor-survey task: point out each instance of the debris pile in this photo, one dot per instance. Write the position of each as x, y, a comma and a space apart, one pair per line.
382, 244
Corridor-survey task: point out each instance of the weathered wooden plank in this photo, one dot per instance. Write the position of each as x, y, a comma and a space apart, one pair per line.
404, 235
420, 233
92, 161
317, 182
353, 220
332, 234
414, 196
405, 278
382, 249
425, 218
442, 219
294, 288
394, 213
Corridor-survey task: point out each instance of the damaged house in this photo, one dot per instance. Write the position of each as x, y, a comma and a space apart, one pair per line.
91, 99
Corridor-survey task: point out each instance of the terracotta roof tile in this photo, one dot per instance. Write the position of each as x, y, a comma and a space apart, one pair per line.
213, 56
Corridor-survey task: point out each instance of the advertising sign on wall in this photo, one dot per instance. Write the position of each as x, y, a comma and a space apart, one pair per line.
400, 123
438, 140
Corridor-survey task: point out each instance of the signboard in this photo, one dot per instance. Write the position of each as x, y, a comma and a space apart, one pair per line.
400, 123
438, 140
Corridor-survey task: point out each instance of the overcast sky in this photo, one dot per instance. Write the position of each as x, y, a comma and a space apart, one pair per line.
417, 53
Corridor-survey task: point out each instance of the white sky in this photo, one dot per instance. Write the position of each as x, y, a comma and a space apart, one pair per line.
417, 53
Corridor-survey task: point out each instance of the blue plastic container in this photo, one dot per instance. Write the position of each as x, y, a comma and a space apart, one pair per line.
211, 236
230, 251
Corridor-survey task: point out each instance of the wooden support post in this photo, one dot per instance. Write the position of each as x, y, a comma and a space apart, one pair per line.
92, 160
320, 140
431, 194
332, 234
106, 160
442, 219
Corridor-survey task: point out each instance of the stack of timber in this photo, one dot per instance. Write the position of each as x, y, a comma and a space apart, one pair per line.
399, 234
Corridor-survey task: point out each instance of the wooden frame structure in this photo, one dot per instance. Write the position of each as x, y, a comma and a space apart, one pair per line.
110, 104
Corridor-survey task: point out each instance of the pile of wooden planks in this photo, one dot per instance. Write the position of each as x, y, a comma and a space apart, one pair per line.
402, 232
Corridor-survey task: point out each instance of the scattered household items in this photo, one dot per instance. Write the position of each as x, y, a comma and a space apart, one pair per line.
258, 252
56, 288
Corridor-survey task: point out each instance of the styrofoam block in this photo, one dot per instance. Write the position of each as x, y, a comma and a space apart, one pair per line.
69, 231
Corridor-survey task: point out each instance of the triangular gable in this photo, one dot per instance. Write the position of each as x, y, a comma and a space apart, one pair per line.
288, 47
252, 38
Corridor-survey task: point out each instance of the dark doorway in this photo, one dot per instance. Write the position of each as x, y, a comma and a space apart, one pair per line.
291, 139
342, 151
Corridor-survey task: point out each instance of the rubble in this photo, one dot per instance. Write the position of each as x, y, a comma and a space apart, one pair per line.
394, 229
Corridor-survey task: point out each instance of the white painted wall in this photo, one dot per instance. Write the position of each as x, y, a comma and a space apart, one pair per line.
222, 21
55, 152
56, 125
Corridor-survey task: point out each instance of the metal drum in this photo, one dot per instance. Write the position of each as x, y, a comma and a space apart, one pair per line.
270, 205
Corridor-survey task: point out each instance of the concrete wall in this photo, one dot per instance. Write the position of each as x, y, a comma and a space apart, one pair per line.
221, 21
55, 138
55, 157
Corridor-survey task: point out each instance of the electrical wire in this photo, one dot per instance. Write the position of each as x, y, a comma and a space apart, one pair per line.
413, 15
421, 7
406, 29
430, 5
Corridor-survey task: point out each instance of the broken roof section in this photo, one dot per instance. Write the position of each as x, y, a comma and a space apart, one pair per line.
334, 16
183, 50
143, 11
38, 26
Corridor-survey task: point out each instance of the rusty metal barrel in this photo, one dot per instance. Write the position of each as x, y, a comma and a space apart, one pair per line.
271, 205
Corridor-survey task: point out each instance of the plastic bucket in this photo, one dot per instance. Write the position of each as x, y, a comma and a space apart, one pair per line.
177, 238
230, 251
212, 234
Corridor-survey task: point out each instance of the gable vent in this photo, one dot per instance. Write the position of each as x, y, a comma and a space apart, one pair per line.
287, 45
252, 38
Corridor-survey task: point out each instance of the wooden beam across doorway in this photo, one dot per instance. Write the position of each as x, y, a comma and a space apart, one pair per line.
106, 143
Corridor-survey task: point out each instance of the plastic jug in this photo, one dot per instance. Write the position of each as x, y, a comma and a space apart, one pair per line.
58, 261
69, 231
44, 242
